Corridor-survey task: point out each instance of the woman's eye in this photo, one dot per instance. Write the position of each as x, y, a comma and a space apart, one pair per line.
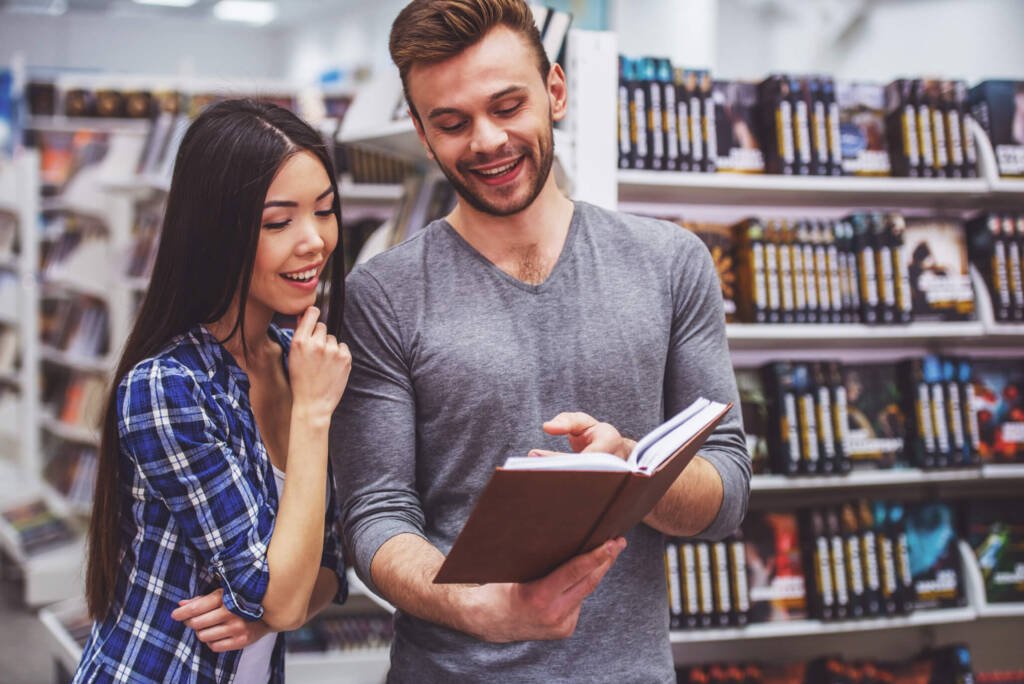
324, 213
276, 225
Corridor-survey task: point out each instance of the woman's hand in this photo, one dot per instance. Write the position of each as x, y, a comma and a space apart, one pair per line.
318, 367
216, 626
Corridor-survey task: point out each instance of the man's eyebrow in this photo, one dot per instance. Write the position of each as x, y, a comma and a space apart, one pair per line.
289, 203
504, 92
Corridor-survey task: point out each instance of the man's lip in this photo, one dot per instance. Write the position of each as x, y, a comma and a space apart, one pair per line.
497, 165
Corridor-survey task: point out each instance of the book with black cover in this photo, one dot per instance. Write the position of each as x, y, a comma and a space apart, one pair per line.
998, 409
999, 107
934, 555
935, 249
536, 513
774, 568
995, 531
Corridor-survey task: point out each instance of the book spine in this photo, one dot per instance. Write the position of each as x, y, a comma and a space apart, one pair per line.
924, 132
682, 120
939, 143
740, 588
638, 122
854, 562
901, 271
696, 122
869, 559
782, 252
884, 268
705, 584
819, 128
888, 582
801, 129
808, 414
954, 413
868, 286
675, 592
625, 127
821, 275
954, 132
796, 261
723, 599
839, 416
810, 284
709, 127
826, 434
691, 593
837, 562
670, 110
834, 269
771, 261
655, 134
835, 148
1014, 280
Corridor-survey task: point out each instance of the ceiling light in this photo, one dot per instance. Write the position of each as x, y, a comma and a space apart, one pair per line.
168, 3
256, 12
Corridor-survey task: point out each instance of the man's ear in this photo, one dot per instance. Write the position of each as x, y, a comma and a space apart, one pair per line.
419, 132
558, 92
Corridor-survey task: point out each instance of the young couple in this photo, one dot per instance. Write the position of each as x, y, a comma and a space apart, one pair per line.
518, 321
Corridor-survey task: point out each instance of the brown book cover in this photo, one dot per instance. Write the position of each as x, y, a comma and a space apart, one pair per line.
527, 522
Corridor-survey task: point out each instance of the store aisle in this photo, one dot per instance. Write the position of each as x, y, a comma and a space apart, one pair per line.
23, 655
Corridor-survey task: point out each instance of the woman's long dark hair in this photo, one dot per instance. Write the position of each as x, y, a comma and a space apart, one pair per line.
224, 167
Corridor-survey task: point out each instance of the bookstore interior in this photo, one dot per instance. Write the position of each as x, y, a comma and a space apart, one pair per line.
855, 168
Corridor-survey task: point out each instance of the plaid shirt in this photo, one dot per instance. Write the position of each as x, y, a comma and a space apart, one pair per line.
199, 502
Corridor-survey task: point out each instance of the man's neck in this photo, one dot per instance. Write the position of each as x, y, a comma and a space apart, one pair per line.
525, 245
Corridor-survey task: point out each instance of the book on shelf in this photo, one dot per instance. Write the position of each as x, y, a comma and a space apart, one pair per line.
8, 234
998, 106
936, 255
775, 575
934, 555
998, 409
995, 532
718, 238
579, 501
738, 147
874, 414
37, 528
862, 127
995, 242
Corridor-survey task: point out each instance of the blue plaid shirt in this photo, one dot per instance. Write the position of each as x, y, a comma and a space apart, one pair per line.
199, 502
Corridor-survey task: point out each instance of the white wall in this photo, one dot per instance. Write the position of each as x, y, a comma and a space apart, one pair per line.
860, 39
356, 37
166, 46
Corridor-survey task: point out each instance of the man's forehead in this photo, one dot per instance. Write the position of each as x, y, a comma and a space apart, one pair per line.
499, 60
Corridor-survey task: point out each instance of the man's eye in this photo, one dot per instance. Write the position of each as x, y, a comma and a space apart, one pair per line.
509, 110
451, 128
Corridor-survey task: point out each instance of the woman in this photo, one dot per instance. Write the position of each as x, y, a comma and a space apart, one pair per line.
197, 553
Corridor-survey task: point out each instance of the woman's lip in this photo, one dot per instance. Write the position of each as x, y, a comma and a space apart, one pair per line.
303, 270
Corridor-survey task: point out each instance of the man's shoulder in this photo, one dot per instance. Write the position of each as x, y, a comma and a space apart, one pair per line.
637, 232
398, 262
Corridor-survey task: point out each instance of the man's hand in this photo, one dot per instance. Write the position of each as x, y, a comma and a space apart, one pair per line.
215, 625
587, 434
544, 609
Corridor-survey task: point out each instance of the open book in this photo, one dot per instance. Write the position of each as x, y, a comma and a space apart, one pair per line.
536, 513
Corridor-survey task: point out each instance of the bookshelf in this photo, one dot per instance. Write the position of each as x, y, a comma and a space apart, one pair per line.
592, 73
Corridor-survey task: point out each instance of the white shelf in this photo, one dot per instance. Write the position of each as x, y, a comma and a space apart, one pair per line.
76, 123
397, 138
136, 283
366, 193
1001, 610
61, 646
10, 377
1011, 188
8, 320
75, 283
1002, 471
339, 667
784, 335
863, 478
767, 189
9, 262
85, 363
70, 433
800, 628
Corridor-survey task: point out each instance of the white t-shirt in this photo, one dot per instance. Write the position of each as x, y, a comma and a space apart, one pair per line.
254, 663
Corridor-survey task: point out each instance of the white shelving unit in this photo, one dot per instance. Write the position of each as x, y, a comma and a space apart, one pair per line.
591, 129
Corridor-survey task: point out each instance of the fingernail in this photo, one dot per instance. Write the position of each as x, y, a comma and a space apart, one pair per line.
533, 454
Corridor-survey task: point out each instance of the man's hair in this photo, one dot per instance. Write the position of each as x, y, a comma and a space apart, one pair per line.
431, 31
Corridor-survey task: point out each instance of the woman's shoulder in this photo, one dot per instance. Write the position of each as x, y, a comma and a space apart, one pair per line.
183, 361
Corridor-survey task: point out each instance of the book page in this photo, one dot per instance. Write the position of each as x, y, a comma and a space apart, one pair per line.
662, 442
591, 460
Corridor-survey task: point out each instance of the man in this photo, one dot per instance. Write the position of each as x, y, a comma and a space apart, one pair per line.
520, 307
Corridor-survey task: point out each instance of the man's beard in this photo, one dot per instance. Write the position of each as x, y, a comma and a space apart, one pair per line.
481, 204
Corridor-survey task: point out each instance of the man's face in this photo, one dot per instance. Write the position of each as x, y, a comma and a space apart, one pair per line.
486, 117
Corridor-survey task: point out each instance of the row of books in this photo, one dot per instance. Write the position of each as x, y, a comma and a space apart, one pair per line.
944, 665
71, 470
995, 245
77, 324
149, 218
995, 531
871, 267
927, 412
79, 246
841, 562
348, 632
8, 348
9, 286
679, 119
37, 528
370, 166
45, 98
74, 398
8, 234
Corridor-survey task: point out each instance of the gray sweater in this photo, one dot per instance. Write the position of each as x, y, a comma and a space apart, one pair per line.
457, 364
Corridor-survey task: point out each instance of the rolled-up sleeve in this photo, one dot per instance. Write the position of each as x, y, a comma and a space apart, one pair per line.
373, 434
184, 457
699, 364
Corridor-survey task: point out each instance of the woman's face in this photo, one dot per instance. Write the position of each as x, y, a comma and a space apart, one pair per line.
298, 232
